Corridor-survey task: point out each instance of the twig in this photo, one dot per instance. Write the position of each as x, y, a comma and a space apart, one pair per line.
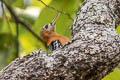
57, 10
17, 39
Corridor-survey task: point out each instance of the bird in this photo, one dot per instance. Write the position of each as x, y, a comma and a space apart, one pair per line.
52, 39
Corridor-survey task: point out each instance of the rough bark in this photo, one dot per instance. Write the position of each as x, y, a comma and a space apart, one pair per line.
93, 52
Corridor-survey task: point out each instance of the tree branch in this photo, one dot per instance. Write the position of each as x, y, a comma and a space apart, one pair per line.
93, 52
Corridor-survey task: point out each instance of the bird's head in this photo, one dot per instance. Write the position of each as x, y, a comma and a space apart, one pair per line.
49, 29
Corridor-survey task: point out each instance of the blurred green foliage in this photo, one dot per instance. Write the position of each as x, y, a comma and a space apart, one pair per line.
115, 75
7, 49
37, 15
118, 29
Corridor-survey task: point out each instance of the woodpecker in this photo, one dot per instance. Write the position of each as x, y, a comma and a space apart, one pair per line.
51, 38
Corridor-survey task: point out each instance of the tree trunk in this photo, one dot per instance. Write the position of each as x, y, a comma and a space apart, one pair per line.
93, 52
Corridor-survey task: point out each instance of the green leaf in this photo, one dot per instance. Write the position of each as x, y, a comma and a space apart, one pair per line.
19, 3
7, 49
39, 4
16, 3
10, 1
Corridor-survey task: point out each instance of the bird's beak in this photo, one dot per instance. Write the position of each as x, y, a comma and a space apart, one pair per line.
55, 19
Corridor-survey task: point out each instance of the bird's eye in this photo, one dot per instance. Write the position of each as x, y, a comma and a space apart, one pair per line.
46, 26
